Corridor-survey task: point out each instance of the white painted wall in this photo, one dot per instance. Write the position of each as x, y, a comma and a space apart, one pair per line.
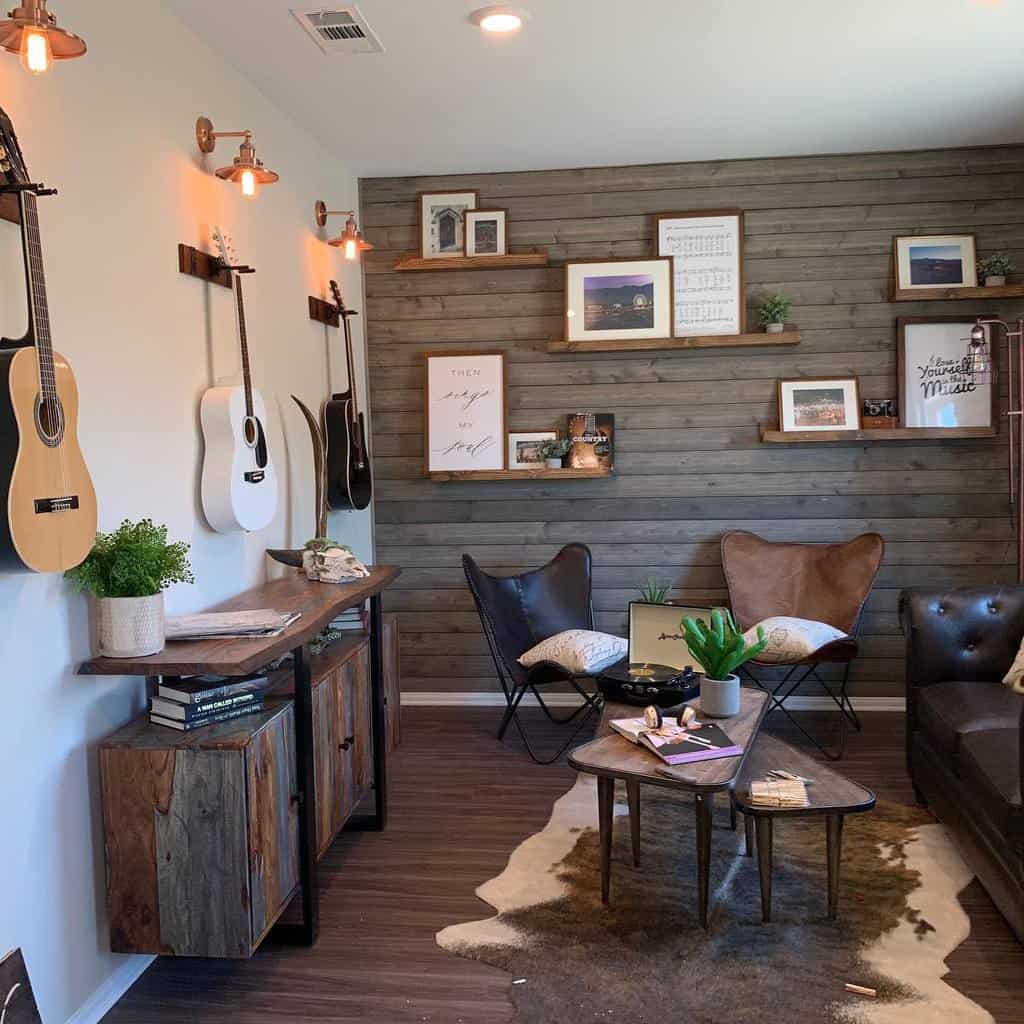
114, 131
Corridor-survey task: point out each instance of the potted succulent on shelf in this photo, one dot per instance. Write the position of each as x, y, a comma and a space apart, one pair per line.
127, 572
995, 269
720, 648
774, 312
553, 452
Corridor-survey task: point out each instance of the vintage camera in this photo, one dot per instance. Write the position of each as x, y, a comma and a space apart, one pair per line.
878, 407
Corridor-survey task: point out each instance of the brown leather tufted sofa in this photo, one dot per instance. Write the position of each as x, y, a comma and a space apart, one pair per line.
964, 727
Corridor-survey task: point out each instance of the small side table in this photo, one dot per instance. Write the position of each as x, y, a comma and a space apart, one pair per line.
831, 796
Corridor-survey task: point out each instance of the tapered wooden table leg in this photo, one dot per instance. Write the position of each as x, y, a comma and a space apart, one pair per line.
633, 795
748, 830
605, 806
834, 836
763, 827
702, 807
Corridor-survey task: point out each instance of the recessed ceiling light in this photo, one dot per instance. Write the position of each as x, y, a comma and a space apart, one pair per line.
499, 20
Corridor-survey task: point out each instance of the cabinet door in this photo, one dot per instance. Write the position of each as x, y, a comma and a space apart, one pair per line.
362, 727
273, 827
325, 744
345, 753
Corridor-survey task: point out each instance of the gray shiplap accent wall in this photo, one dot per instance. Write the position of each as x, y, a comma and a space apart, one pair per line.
688, 460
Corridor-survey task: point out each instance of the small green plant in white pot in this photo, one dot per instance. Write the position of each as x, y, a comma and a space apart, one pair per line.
127, 572
774, 312
995, 269
720, 648
553, 452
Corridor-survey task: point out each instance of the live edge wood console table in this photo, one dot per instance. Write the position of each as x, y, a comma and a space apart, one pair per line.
251, 826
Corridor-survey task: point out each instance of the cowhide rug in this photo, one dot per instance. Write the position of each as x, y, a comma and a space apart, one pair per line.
645, 960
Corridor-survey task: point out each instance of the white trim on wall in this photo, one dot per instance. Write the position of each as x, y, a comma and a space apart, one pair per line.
115, 985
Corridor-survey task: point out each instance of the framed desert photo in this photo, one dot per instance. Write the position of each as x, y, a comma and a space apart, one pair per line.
486, 232
614, 300
941, 383
524, 450
443, 223
706, 247
935, 261
464, 411
827, 403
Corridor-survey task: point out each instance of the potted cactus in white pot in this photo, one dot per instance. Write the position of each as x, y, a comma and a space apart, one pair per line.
774, 312
127, 572
995, 269
720, 648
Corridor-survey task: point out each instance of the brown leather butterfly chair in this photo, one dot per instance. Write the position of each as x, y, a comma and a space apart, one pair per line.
823, 582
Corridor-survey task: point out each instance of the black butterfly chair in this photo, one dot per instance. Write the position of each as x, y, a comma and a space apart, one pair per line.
519, 612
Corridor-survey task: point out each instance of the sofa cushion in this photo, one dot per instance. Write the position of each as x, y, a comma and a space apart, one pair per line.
990, 772
946, 712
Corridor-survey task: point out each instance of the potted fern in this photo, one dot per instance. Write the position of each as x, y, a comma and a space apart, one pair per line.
995, 269
774, 312
127, 572
720, 648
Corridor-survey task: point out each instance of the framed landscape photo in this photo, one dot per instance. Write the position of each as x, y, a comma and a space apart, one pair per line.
706, 247
464, 411
524, 449
443, 222
938, 385
616, 300
935, 261
486, 232
818, 404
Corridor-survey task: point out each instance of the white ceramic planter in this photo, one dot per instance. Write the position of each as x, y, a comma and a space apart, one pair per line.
774, 328
995, 280
129, 627
720, 698
553, 463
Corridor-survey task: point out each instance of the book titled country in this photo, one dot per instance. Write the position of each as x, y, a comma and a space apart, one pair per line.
203, 708
217, 716
675, 745
199, 689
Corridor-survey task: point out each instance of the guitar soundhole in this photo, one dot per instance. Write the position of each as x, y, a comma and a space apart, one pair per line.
252, 432
50, 420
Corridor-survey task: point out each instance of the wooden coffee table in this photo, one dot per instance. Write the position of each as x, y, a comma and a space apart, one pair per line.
831, 796
612, 757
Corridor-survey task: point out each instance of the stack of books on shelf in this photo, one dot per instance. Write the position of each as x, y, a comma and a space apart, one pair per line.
194, 701
351, 620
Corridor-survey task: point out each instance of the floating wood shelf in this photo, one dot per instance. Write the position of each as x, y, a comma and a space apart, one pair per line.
1003, 291
533, 258
519, 474
769, 435
706, 341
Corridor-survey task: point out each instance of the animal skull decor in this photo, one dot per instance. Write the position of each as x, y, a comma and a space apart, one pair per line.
333, 565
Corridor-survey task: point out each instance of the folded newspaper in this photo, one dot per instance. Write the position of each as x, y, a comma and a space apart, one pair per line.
259, 622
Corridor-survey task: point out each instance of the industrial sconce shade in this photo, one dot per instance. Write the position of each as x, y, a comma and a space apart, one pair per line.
351, 240
247, 169
32, 31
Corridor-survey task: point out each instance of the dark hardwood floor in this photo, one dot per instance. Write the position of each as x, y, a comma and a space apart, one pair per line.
460, 802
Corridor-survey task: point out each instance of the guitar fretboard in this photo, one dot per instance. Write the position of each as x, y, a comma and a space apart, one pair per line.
39, 313
243, 341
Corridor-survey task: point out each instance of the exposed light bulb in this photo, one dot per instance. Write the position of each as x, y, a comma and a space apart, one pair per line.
351, 249
36, 54
501, 22
248, 183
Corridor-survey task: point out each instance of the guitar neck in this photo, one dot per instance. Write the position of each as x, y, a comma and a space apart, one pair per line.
350, 364
39, 313
243, 342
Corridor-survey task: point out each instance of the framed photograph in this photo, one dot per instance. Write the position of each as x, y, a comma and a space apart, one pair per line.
656, 636
524, 449
935, 261
706, 247
826, 403
937, 385
486, 232
443, 223
464, 411
614, 300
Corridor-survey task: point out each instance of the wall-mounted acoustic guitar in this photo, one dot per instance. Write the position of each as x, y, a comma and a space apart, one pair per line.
349, 480
239, 485
50, 520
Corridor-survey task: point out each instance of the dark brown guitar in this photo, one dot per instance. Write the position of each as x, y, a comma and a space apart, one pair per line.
50, 520
349, 480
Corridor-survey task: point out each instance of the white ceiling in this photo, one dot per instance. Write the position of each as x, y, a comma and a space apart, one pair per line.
596, 82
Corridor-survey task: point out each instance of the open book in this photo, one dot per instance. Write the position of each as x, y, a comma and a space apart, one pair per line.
675, 745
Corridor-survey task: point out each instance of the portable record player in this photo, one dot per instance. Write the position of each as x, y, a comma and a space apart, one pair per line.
659, 668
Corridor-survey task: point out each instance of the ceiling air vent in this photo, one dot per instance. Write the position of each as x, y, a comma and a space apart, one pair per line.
339, 30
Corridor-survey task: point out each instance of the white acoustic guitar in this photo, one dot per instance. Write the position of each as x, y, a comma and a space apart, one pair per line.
239, 486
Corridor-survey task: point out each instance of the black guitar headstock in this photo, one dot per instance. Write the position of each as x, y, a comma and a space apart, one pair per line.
343, 310
12, 163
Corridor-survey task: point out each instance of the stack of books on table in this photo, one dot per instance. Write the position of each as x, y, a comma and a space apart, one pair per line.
194, 701
258, 622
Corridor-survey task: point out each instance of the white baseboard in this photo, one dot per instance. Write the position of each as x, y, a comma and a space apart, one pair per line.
442, 699
116, 984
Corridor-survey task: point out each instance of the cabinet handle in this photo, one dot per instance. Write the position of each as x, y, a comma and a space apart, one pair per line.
348, 741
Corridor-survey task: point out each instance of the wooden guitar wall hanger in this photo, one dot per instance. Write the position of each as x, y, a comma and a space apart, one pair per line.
323, 312
207, 268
